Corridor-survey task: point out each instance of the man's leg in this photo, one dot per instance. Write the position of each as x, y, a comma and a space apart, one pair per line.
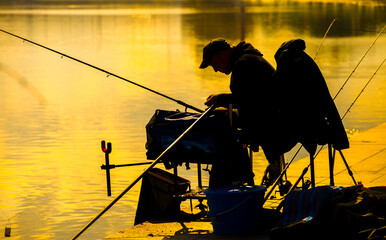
274, 168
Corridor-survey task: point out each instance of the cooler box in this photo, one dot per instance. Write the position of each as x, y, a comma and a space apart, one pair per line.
235, 210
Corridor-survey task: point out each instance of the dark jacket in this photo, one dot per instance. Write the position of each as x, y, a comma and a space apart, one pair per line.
251, 87
306, 107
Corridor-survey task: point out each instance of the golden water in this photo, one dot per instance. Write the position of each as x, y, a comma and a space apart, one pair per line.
55, 112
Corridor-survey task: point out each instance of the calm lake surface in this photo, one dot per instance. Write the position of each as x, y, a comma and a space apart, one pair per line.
55, 112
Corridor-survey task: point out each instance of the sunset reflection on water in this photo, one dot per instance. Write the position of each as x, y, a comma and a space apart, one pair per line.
50, 155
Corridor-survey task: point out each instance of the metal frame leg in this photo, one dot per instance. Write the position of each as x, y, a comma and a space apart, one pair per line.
347, 166
331, 160
199, 175
312, 167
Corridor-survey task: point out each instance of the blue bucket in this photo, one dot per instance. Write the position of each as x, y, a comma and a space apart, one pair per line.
235, 210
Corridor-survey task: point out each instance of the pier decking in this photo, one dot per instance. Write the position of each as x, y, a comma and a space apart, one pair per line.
366, 157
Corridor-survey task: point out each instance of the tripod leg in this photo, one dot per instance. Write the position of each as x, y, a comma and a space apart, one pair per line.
312, 167
347, 166
282, 165
199, 175
331, 158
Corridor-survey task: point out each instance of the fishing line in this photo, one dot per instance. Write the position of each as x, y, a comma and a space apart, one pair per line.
105, 71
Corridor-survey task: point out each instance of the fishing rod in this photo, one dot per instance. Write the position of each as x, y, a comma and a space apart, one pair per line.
105, 71
320, 149
341, 88
301, 146
328, 29
363, 89
352, 72
283, 172
348, 110
156, 161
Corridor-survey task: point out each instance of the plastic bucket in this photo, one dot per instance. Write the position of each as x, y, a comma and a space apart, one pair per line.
235, 210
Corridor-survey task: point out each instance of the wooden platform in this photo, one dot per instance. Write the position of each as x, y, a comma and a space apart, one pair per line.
366, 158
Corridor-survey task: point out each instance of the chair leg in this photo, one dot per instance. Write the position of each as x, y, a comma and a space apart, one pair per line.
312, 168
331, 160
199, 175
348, 167
282, 165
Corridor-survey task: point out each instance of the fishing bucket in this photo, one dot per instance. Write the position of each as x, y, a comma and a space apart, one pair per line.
235, 210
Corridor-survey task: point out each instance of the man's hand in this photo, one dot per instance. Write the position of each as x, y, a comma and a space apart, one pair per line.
212, 100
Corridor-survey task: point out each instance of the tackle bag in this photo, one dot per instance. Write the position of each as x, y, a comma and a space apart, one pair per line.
333, 213
202, 144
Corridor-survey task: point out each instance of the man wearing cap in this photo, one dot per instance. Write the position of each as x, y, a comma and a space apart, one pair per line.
251, 85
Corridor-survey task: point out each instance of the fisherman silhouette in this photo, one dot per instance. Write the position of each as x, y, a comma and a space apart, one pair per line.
277, 109
306, 111
251, 85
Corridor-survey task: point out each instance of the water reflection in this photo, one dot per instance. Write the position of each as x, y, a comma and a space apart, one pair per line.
23, 82
50, 156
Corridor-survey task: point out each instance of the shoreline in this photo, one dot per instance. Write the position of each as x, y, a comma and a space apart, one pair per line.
89, 5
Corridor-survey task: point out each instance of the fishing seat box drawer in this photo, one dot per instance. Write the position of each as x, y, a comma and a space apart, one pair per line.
206, 141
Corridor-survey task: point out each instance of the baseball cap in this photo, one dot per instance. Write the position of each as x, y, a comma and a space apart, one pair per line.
211, 49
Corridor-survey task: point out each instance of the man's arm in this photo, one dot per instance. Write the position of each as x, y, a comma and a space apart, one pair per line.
219, 99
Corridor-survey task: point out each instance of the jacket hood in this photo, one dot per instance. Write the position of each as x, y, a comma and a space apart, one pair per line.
292, 45
244, 48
